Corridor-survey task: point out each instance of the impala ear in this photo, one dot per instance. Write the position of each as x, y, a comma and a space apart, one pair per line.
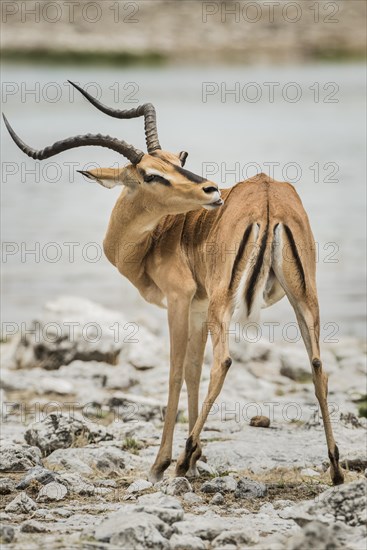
183, 156
107, 177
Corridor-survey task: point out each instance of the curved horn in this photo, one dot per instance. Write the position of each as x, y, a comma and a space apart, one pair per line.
131, 153
147, 111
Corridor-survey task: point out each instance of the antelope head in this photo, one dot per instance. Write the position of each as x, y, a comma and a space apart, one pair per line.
156, 179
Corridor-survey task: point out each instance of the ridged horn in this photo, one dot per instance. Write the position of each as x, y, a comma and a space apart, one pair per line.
147, 111
131, 153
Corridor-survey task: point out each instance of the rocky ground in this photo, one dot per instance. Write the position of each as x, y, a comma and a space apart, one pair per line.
82, 414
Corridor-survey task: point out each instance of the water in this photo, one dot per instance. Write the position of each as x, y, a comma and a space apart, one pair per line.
319, 141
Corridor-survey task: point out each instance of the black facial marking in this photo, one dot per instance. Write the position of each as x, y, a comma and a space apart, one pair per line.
162, 180
154, 178
86, 174
189, 175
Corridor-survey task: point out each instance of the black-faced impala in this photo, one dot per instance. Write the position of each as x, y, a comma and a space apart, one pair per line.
170, 215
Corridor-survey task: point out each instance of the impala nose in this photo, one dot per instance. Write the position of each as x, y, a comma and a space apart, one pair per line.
215, 199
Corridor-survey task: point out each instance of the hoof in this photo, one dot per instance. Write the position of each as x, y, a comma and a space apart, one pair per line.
157, 470
337, 478
181, 469
192, 472
155, 477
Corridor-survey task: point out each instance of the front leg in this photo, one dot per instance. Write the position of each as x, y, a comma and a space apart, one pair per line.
218, 320
178, 320
198, 334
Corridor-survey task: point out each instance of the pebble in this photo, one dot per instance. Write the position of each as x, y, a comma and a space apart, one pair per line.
76, 484
239, 539
21, 504
38, 473
186, 542
192, 498
18, 458
7, 486
138, 486
128, 529
217, 499
56, 431
52, 491
309, 472
176, 486
248, 488
33, 526
7, 534
260, 422
225, 484
165, 507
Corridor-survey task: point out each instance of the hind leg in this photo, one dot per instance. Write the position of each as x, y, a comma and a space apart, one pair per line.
305, 304
308, 319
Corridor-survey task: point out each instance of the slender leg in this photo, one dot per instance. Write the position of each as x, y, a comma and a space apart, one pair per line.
198, 335
178, 319
218, 321
305, 304
308, 320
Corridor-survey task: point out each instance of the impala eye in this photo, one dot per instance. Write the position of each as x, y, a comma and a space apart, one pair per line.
149, 178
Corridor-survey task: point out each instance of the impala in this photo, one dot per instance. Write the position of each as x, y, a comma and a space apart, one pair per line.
171, 215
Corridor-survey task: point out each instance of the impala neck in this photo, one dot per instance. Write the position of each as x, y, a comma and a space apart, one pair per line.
129, 233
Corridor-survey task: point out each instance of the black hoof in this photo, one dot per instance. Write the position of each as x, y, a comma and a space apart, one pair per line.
337, 478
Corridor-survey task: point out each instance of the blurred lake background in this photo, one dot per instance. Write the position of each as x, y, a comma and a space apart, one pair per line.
274, 95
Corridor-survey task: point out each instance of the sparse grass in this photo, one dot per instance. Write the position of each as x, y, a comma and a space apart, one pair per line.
362, 406
281, 483
296, 422
212, 439
362, 410
182, 418
132, 445
81, 440
335, 54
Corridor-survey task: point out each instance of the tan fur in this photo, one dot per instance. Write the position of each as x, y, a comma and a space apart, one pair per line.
179, 254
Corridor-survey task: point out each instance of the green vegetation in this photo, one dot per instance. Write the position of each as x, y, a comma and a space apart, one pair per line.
362, 410
335, 54
182, 418
43, 56
132, 445
67, 57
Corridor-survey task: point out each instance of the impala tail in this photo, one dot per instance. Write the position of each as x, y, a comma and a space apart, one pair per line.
275, 252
